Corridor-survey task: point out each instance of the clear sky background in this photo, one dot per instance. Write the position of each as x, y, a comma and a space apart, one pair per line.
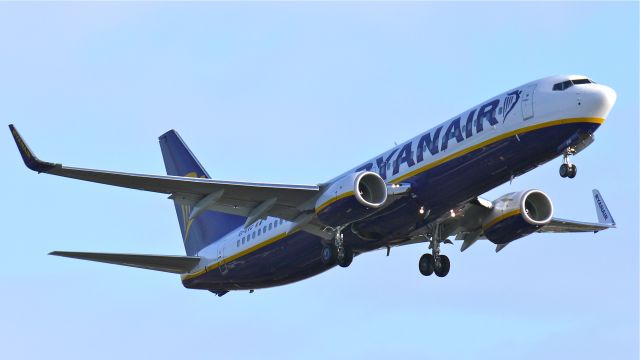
298, 93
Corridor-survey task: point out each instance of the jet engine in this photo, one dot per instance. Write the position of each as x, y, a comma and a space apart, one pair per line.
516, 215
350, 198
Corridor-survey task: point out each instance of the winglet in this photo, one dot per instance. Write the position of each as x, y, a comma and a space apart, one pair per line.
28, 157
604, 215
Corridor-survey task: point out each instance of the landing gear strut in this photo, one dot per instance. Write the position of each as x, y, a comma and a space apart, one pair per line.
337, 252
567, 169
434, 262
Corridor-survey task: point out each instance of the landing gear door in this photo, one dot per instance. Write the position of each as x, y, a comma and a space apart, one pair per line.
527, 102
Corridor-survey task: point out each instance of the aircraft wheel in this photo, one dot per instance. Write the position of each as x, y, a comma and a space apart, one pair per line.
328, 255
426, 265
347, 258
564, 170
442, 266
573, 171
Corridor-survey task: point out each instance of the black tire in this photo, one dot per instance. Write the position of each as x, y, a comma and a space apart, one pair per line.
426, 265
442, 267
328, 255
347, 258
564, 170
573, 171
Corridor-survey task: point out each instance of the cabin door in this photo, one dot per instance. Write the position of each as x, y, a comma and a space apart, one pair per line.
527, 102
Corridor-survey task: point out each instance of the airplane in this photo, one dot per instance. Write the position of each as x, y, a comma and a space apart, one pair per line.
247, 236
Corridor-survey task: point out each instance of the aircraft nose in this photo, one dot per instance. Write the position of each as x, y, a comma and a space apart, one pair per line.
598, 100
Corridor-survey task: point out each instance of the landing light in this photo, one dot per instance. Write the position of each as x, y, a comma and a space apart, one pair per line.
421, 211
453, 214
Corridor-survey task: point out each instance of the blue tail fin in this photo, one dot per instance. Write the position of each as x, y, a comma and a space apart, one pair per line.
210, 225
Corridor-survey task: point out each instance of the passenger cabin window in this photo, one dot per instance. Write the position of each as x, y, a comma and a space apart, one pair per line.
270, 226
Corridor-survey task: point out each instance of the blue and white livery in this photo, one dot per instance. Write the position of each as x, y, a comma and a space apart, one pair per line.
246, 236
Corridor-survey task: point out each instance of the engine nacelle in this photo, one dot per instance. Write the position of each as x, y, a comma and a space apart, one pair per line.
516, 215
351, 198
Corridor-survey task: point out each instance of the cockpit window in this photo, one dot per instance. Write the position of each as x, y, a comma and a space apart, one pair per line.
562, 86
569, 83
581, 81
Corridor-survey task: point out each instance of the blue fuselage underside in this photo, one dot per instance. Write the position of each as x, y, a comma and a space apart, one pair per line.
297, 256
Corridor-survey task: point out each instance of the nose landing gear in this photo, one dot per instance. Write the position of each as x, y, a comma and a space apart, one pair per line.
567, 169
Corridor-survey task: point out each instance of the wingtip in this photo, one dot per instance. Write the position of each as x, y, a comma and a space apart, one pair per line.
602, 210
28, 157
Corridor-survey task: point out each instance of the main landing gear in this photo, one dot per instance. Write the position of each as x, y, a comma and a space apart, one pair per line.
567, 169
337, 253
434, 262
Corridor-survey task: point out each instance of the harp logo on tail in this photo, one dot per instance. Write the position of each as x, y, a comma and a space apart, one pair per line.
510, 102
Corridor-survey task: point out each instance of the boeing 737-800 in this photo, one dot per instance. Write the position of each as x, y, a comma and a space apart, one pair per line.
245, 236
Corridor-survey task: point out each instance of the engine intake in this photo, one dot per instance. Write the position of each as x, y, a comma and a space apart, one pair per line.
536, 207
371, 190
516, 215
351, 198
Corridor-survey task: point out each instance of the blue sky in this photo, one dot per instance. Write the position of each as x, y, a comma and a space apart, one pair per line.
298, 93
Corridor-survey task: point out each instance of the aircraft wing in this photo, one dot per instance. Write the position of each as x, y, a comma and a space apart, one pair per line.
172, 264
254, 200
466, 224
605, 220
558, 225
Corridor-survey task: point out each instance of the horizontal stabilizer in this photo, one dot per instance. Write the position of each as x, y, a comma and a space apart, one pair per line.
172, 264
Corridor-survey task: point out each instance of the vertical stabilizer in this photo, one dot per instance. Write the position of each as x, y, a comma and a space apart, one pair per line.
210, 225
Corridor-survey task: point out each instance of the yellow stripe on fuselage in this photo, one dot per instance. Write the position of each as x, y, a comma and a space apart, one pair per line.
331, 201
238, 255
493, 140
